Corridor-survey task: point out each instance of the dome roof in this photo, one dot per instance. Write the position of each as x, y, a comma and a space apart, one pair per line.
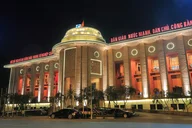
83, 34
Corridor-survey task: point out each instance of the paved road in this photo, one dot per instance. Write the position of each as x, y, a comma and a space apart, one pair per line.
145, 120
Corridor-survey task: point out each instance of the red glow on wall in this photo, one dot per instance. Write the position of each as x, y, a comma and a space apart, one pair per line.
174, 75
31, 57
19, 89
154, 75
45, 91
55, 88
136, 76
119, 69
36, 85
165, 28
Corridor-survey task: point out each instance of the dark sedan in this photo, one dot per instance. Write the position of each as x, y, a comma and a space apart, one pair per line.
116, 112
87, 111
66, 113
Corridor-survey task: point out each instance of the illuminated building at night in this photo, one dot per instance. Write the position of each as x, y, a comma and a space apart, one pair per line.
158, 58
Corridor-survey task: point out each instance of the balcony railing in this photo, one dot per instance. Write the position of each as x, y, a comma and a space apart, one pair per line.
176, 67
155, 69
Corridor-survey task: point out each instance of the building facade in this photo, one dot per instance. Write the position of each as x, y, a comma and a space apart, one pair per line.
145, 61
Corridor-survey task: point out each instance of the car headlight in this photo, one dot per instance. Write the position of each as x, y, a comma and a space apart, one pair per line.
74, 113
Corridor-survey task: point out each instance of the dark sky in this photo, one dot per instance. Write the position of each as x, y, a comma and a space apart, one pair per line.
28, 28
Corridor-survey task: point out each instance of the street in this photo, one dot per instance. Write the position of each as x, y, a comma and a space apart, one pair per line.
145, 120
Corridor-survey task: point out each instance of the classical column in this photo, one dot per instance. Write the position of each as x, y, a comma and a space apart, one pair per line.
41, 83
16, 80
85, 70
11, 81
51, 80
104, 59
110, 68
33, 72
183, 65
126, 66
60, 78
162, 66
144, 71
78, 70
24, 80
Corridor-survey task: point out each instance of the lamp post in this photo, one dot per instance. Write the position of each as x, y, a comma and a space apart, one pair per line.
90, 67
1, 95
91, 103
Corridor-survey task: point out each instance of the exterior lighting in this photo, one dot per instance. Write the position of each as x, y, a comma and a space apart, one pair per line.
190, 42
170, 46
118, 55
145, 95
46, 67
96, 54
37, 68
21, 71
151, 49
134, 52
85, 102
77, 103
56, 65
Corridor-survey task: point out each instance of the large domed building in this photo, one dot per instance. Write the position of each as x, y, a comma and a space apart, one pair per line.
158, 59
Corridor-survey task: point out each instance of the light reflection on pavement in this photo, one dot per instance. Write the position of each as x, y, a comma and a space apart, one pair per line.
145, 120
62, 124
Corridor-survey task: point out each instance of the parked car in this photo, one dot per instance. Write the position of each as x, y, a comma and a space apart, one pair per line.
102, 110
35, 112
87, 111
66, 113
117, 112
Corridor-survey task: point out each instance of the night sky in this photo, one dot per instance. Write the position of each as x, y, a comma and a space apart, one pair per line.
28, 28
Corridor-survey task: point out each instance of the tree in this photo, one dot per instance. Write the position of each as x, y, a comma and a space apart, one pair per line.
126, 92
56, 100
113, 93
188, 101
91, 93
98, 96
131, 91
108, 93
79, 97
159, 98
70, 95
175, 96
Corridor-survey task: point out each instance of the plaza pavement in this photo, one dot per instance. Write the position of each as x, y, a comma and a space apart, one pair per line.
144, 120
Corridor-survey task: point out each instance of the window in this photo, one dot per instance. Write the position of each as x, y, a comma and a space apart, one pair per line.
155, 64
174, 106
122, 106
140, 107
138, 66
174, 63
152, 107
181, 106
159, 106
133, 106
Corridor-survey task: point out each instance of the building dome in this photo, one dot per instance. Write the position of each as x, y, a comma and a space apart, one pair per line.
83, 34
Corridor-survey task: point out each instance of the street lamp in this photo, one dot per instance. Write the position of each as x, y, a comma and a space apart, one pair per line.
91, 89
91, 103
